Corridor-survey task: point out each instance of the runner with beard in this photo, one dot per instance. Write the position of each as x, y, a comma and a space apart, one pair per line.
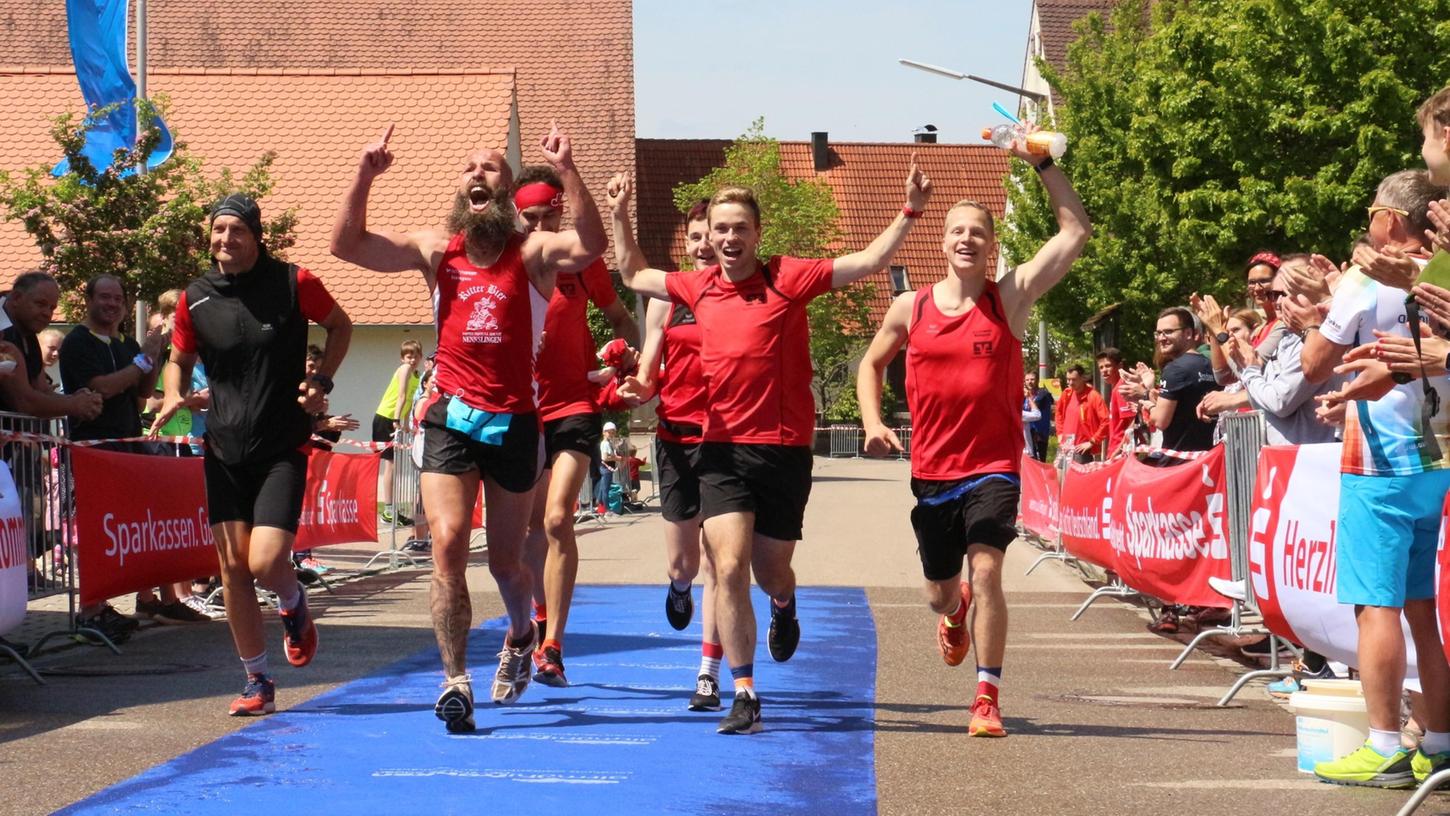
490, 288
755, 460
569, 409
669, 364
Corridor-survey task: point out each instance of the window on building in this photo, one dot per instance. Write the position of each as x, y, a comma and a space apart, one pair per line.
899, 282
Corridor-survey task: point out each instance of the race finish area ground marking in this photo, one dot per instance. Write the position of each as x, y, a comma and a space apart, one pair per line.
620, 740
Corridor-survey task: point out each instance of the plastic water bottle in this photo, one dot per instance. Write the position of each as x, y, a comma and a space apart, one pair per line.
1040, 143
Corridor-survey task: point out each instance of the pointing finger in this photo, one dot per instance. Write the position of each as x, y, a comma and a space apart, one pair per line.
387, 134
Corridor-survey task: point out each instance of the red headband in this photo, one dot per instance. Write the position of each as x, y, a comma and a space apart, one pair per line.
539, 192
1269, 259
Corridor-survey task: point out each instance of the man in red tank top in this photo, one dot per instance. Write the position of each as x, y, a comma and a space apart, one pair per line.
963, 374
568, 409
670, 364
755, 460
490, 289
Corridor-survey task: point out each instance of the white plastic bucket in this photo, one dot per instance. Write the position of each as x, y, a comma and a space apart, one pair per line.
1330, 723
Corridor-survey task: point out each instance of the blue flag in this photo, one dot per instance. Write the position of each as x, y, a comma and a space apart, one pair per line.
98, 49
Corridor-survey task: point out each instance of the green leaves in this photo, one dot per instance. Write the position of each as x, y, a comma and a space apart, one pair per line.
1203, 130
146, 228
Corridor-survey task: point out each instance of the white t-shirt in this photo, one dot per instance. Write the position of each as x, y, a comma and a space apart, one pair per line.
1384, 437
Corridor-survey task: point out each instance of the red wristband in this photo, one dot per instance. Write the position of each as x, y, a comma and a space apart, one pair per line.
907, 211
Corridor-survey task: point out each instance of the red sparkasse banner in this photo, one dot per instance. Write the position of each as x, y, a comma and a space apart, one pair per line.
1169, 529
141, 522
1038, 509
340, 501
1085, 510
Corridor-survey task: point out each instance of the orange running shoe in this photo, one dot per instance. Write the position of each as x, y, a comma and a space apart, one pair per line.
259, 697
954, 641
986, 718
299, 634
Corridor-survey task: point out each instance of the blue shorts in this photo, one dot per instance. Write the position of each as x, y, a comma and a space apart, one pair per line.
1389, 529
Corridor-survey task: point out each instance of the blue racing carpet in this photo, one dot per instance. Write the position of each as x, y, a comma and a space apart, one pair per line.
619, 740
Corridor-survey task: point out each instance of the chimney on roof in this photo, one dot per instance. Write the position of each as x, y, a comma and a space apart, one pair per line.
926, 134
820, 151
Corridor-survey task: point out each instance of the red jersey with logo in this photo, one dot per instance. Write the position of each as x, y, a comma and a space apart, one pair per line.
682, 379
964, 389
489, 319
567, 355
1121, 414
755, 348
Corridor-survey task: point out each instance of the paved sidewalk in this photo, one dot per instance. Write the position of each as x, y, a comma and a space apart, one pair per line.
1099, 724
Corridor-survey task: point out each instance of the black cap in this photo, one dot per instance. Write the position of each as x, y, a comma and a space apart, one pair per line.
243, 207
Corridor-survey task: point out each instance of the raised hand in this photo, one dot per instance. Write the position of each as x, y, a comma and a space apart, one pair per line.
1440, 217
1434, 300
311, 397
557, 149
617, 192
1208, 311
918, 187
376, 157
1019, 149
1389, 266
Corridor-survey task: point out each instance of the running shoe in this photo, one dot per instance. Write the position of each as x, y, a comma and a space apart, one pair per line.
1167, 623
198, 604
707, 694
954, 641
299, 634
744, 716
418, 545
679, 606
551, 672
148, 608
310, 563
1424, 765
259, 697
513, 673
455, 704
1368, 768
115, 626
785, 631
986, 719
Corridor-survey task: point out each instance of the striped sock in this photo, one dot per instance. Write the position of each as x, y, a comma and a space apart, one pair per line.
988, 680
710, 654
744, 679
255, 665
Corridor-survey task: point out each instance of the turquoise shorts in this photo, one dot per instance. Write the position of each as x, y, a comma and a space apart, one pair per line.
1389, 529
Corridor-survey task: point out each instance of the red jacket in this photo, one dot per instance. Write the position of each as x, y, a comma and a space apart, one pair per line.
1084, 417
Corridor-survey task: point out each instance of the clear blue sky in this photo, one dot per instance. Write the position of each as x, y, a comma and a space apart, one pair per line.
707, 69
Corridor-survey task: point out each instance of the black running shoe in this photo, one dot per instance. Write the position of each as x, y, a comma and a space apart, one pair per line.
707, 694
455, 705
679, 607
785, 631
744, 716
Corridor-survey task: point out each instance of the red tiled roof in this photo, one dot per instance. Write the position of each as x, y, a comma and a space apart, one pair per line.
317, 121
867, 179
1055, 19
573, 61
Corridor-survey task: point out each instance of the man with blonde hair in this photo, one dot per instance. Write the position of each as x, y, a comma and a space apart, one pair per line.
963, 366
755, 461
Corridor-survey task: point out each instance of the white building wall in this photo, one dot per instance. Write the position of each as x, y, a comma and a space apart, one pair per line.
371, 359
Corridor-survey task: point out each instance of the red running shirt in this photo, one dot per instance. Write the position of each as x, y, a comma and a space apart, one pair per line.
567, 355
964, 389
489, 319
755, 348
682, 379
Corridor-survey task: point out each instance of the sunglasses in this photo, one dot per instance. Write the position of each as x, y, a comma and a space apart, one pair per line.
1386, 208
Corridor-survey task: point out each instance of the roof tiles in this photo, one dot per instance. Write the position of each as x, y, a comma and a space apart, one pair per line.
867, 179
1055, 19
317, 122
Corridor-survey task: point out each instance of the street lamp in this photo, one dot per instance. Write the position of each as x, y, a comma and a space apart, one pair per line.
950, 74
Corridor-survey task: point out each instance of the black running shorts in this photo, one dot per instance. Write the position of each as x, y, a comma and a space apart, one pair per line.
515, 464
677, 472
383, 432
267, 493
772, 481
985, 514
580, 432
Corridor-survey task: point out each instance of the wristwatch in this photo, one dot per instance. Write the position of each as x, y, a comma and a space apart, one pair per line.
323, 381
1221, 337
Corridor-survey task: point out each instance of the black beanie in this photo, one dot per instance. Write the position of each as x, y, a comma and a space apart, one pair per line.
243, 207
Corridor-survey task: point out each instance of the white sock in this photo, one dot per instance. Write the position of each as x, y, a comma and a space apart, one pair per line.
1385, 742
1435, 742
680, 586
289, 596
255, 665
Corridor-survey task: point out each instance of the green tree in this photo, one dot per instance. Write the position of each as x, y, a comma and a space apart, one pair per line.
145, 228
799, 218
1202, 130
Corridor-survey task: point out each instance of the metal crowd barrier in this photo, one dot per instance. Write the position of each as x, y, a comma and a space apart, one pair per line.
849, 441
406, 493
